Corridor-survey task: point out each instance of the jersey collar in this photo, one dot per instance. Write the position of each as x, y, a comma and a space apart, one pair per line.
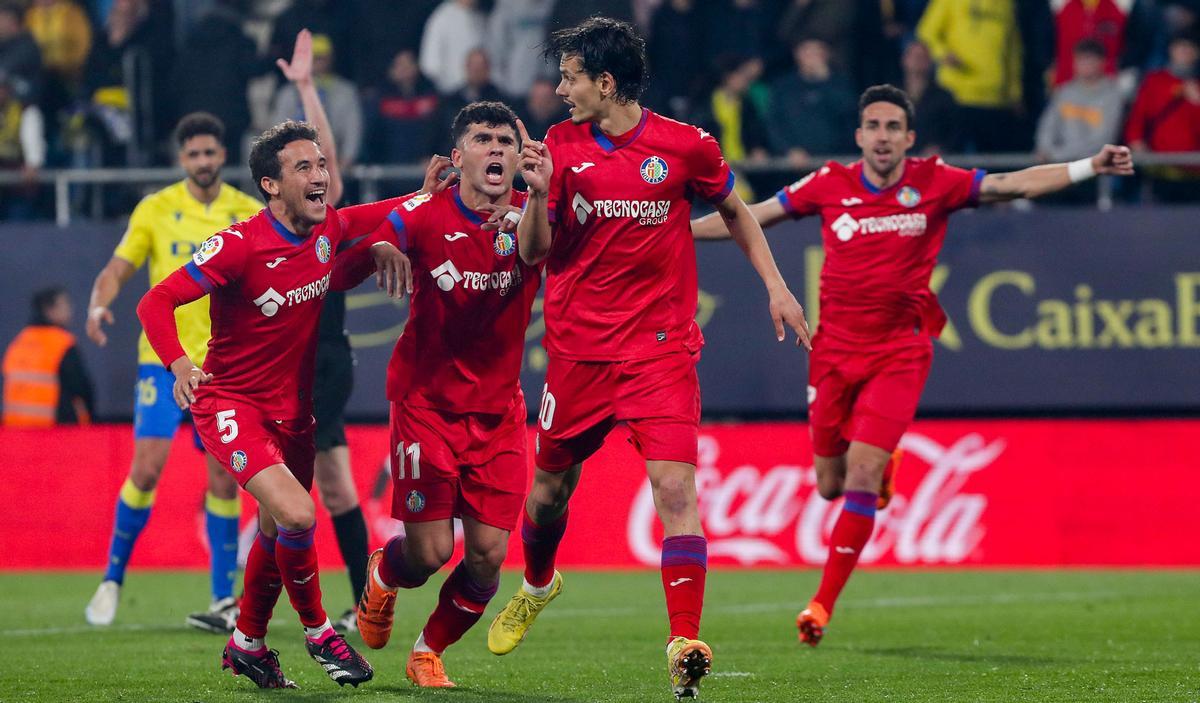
281, 229
871, 187
611, 144
467, 212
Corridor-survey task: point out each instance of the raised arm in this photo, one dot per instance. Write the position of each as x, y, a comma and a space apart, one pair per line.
1037, 181
536, 166
115, 274
745, 230
767, 213
299, 72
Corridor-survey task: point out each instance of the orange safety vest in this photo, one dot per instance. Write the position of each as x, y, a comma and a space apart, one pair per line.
31, 386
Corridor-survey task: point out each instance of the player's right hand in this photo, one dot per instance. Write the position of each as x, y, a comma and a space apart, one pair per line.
393, 270
95, 331
188, 378
535, 163
786, 310
433, 182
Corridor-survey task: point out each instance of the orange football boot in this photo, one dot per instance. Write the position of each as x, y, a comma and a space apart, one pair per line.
375, 607
811, 622
887, 488
425, 670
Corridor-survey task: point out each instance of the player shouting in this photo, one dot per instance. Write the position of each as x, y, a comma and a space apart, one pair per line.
457, 411
883, 222
609, 200
252, 403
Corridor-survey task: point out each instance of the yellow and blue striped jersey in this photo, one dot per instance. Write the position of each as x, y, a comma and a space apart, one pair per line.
166, 227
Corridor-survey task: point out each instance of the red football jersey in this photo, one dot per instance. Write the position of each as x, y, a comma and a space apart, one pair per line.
266, 286
881, 245
462, 347
621, 274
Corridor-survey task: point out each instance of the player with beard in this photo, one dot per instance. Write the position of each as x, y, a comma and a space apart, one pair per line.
165, 229
883, 221
609, 201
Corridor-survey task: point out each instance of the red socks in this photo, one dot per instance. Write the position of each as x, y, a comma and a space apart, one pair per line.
850, 534
540, 544
262, 587
684, 565
297, 560
461, 603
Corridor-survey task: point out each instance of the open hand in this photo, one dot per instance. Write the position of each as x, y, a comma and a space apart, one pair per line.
299, 69
434, 183
786, 310
393, 270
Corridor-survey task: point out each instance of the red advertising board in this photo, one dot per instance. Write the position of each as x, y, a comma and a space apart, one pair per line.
974, 493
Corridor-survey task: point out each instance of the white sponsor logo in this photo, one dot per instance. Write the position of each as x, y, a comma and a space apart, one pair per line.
269, 302
777, 516
447, 275
582, 167
454, 237
676, 582
646, 212
276, 262
581, 207
851, 202
909, 224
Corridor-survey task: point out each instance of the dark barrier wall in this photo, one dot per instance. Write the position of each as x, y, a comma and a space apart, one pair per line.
1050, 310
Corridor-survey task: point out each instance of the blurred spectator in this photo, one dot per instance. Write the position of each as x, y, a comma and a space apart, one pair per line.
128, 73
737, 27
20, 58
936, 123
478, 86
405, 117
335, 20
515, 33
384, 28
22, 148
812, 109
978, 50
830, 20
731, 116
543, 108
213, 71
338, 95
1123, 28
1166, 117
64, 35
878, 38
45, 380
454, 30
1085, 113
675, 52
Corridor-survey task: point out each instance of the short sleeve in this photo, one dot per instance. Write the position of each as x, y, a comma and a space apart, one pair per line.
961, 185
708, 174
135, 245
219, 261
802, 198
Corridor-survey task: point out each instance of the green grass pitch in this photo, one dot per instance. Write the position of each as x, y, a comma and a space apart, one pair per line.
898, 635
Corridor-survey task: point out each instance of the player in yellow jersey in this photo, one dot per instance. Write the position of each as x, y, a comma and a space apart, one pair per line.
164, 231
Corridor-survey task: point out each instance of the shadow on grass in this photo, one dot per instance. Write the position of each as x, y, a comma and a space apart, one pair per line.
933, 653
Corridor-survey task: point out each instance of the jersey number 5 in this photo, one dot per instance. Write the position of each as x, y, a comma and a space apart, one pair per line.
227, 426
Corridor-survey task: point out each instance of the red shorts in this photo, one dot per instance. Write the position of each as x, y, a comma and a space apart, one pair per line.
245, 442
448, 465
865, 395
658, 398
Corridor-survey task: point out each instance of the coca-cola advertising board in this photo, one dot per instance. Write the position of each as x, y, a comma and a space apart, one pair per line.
970, 493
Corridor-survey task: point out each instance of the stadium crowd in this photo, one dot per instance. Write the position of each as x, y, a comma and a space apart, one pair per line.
86, 83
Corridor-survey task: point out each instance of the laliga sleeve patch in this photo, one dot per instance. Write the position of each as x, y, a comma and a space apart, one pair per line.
210, 248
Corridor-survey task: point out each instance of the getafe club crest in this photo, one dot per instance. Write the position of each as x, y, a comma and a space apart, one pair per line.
908, 196
324, 249
654, 170
504, 244
415, 501
237, 461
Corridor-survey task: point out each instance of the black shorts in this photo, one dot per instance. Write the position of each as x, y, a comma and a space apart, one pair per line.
333, 382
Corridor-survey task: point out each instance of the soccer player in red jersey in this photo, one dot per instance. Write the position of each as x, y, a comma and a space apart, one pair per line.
883, 223
252, 406
609, 202
457, 411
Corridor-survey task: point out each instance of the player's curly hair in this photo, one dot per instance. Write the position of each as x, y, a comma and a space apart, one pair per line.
197, 124
887, 93
264, 150
604, 45
486, 112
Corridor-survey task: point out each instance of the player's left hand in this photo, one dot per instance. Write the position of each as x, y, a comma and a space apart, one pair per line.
393, 270
786, 310
1113, 161
504, 218
299, 69
188, 378
433, 182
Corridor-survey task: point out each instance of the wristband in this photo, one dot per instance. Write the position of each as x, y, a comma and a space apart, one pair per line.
1081, 170
513, 217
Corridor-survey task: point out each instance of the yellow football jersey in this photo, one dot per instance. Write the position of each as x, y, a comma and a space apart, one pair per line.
166, 227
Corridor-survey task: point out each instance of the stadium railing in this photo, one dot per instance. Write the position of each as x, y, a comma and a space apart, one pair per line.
370, 178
